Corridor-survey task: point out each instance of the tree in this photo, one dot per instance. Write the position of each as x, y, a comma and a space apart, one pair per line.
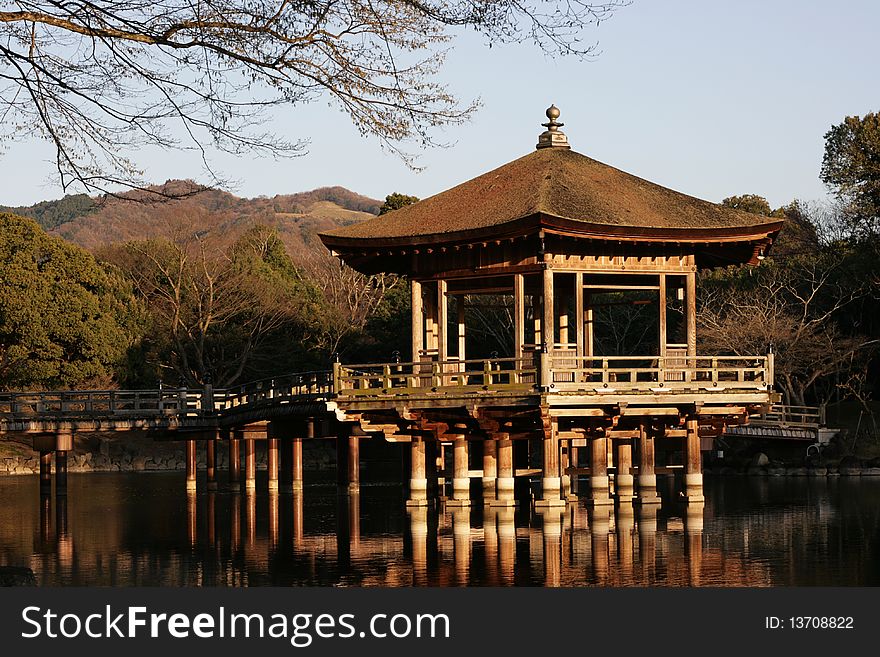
851, 166
62, 315
100, 79
395, 201
748, 203
219, 310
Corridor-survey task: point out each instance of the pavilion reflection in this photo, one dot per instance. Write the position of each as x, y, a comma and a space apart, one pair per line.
245, 538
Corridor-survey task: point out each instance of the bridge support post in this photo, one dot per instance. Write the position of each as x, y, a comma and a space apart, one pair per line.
504, 482
191, 466
418, 483
693, 468
574, 478
599, 472
272, 463
297, 464
551, 482
348, 463
490, 468
564, 464
234, 461
461, 482
63, 444
45, 473
623, 480
61, 472
250, 465
647, 478
285, 465
211, 463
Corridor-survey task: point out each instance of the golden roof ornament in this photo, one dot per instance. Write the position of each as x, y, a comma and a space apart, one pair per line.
552, 137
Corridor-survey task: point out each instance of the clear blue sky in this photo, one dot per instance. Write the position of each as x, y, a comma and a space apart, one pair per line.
709, 98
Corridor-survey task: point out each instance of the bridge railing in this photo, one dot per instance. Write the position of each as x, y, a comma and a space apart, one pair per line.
660, 373
289, 387
101, 403
451, 375
790, 417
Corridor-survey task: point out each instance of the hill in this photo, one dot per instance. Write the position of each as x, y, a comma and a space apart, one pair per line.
95, 222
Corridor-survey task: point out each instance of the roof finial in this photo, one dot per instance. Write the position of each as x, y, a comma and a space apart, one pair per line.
553, 137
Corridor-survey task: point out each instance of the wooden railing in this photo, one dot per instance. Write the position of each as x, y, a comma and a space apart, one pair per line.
101, 403
434, 376
292, 387
791, 417
561, 371
660, 374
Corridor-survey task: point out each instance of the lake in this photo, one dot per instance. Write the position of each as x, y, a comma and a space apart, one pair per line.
141, 529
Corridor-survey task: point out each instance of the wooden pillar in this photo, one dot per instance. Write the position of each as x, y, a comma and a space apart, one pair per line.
234, 460
693, 465
191, 466
418, 482
61, 472
272, 462
519, 317
211, 463
588, 321
691, 313
547, 323
647, 478
504, 482
623, 480
461, 482
551, 482
462, 337
661, 329
579, 316
285, 465
599, 471
564, 465
442, 321
297, 464
574, 462
490, 468
354, 464
45, 473
418, 320
250, 465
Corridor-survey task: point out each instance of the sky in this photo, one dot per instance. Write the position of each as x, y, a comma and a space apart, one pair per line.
708, 98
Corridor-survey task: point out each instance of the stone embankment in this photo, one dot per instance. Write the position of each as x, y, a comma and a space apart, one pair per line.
111, 455
761, 466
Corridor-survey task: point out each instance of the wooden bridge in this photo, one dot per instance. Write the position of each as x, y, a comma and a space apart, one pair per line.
489, 406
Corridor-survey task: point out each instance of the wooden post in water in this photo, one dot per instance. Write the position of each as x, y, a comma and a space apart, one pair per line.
551, 482
490, 468
250, 465
297, 466
418, 482
599, 471
63, 444
623, 480
234, 461
693, 468
45, 473
461, 483
504, 483
272, 462
647, 478
190, 466
285, 465
211, 462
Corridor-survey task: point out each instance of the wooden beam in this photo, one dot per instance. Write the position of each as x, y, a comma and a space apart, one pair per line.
579, 313
418, 321
691, 301
547, 328
519, 315
442, 323
662, 309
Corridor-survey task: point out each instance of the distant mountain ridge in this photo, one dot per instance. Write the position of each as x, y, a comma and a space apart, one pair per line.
94, 222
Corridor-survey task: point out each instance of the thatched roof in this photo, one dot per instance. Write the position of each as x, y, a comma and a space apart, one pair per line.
560, 188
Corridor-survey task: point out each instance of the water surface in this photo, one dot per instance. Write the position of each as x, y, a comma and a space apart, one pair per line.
127, 529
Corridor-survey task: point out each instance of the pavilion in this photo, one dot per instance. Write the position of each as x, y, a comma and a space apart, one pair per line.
558, 235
